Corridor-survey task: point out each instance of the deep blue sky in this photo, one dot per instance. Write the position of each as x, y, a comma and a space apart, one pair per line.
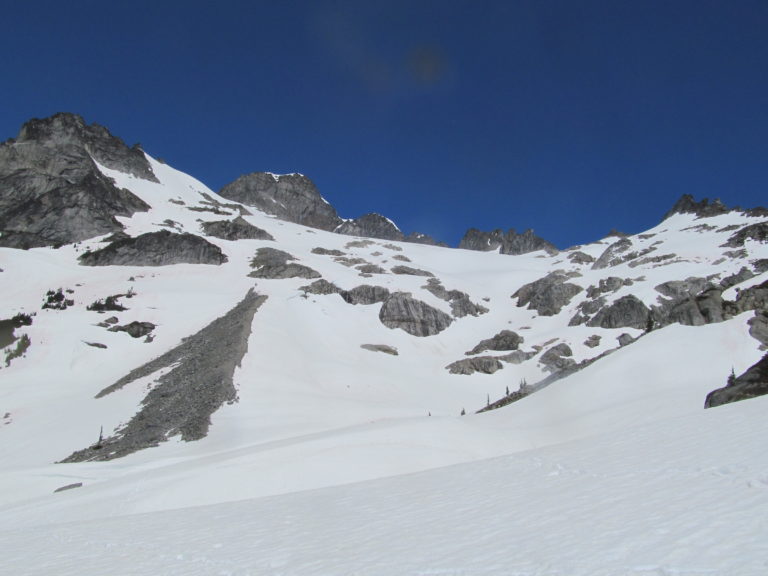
567, 117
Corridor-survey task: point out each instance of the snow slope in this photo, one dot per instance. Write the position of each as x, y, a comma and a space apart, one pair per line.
338, 460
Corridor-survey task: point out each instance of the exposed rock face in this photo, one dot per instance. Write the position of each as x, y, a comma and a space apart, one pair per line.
460, 303
753, 383
611, 255
607, 285
482, 364
509, 242
558, 358
237, 229
198, 383
368, 269
273, 264
327, 252
593, 341
371, 226
391, 350
742, 275
758, 327
156, 249
321, 287
706, 307
516, 357
504, 340
413, 316
625, 339
547, 295
134, 329
291, 197
687, 288
687, 205
365, 294
580, 258
418, 238
52, 192
626, 312
411, 271
757, 232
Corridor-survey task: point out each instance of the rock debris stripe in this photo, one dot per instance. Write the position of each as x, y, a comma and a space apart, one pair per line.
183, 399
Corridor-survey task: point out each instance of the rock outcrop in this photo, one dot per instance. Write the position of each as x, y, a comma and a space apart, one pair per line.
371, 226
460, 303
51, 190
704, 208
557, 358
409, 271
612, 255
291, 197
413, 316
504, 340
321, 287
419, 238
509, 242
757, 232
626, 312
482, 364
386, 349
751, 384
198, 382
237, 229
161, 248
547, 295
274, 264
365, 294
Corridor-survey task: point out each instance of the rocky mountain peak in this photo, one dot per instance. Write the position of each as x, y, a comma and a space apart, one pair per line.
509, 242
704, 208
371, 226
291, 197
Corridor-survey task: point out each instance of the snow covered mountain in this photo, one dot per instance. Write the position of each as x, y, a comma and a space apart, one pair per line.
234, 383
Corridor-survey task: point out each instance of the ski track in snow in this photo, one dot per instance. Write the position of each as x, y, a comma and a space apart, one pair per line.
329, 465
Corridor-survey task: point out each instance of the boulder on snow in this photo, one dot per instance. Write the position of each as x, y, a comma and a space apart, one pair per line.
161, 248
365, 294
504, 340
751, 384
547, 295
413, 316
273, 264
237, 229
626, 312
482, 364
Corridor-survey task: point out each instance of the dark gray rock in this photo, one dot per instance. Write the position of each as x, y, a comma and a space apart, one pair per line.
369, 269
371, 226
391, 350
705, 308
751, 384
593, 341
413, 316
291, 197
51, 190
688, 288
482, 364
156, 249
547, 295
607, 285
625, 339
403, 258
198, 382
504, 340
237, 229
558, 358
134, 329
509, 242
365, 294
321, 287
517, 357
274, 264
407, 270
687, 205
758, 327
460, 303
327, 252
579, 257
626, 312
760, 265
741, 276
418, 238
757, 232
611, 256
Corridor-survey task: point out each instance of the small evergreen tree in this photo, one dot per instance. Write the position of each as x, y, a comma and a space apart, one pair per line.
732, 378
